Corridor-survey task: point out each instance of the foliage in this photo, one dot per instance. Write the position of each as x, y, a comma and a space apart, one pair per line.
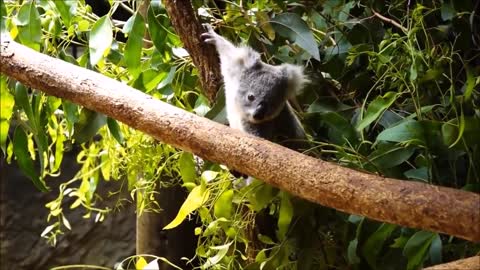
399, 99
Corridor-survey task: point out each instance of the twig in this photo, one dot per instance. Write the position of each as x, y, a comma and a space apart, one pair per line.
383, 18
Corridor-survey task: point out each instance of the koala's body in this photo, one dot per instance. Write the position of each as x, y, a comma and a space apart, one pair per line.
257, 93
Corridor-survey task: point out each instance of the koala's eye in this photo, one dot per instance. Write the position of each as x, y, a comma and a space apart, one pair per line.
251, 97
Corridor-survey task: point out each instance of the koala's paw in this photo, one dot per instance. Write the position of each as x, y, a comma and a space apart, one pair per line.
210, 36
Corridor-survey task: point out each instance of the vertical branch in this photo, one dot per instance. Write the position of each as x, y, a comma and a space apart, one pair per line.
189, 28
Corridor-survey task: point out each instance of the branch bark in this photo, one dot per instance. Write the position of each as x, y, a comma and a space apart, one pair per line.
472, 263
406, 203
204, 57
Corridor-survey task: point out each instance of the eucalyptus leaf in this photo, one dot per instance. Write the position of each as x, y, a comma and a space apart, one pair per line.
25, 163
29, 25
416, 248
291, 26
133, 48
100, 40
376, 108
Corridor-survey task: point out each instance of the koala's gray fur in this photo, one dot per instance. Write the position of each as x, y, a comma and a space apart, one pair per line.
257, 93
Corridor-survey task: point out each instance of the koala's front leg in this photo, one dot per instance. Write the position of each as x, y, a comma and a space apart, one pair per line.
224, 47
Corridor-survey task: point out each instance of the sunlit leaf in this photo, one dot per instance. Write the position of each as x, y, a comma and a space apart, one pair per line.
285, 215
153, 265
222, 251
7, 102
29, 25
196, 198
223, 207
67, 10
101, 37
187, 167
133, 48
141, 263
3, 14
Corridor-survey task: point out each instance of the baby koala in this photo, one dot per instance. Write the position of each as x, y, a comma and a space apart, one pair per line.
257, 93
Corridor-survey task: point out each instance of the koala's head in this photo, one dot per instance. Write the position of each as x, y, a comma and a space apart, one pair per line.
263, 92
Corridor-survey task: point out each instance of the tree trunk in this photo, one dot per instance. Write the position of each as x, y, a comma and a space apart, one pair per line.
150, 238
204, 56
406, 203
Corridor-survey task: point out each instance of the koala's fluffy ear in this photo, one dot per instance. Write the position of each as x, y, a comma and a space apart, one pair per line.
296, 78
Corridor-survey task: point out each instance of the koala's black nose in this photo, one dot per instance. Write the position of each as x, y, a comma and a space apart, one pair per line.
260, 111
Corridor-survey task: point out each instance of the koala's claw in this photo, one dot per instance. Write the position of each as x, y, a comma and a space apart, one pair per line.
209, 36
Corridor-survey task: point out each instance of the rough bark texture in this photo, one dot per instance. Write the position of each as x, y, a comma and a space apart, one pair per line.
472, 263
204, 57
406, 203
172, 244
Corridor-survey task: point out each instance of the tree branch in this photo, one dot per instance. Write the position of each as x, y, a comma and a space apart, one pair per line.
204, 57
412, 204
472, 263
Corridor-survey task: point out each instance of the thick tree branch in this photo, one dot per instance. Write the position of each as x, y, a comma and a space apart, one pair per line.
472, 263
205, 58
407, 203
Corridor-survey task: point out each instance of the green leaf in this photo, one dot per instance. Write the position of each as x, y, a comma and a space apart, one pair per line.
447, 11
101, 37
374, 244
390, 155
417, 247
3, 16
262, 196
376, 108
89, 124
470, 84
196, 198
114, 129
352, 252
22, 100
291, 26
187, 168
222, 251
201, 106
218, 113
157, 31
418, 174
405, 131
7, 102
468, 130
285, 215
341, 130
29, 25
435, 251
25, 163
67, 10
133, 48
223, 207
59, 148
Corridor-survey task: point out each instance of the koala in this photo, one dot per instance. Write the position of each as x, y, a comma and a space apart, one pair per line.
257, 93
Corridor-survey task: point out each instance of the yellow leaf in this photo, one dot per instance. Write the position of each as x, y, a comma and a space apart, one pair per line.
197, 197
141, 263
